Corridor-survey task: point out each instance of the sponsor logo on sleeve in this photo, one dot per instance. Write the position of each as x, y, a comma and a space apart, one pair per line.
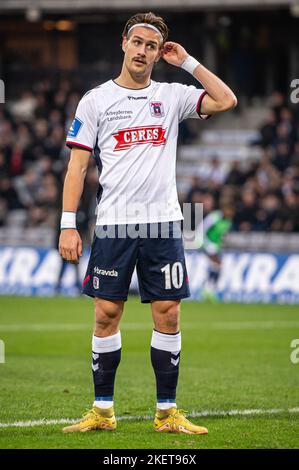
75, 127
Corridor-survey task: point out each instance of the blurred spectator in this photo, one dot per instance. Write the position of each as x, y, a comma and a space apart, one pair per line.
41, 107
25, 106
215, 174
294, 160
277, 102
37, 217
267, 176
245, 218
287, 219
4, 168
198, 194
3, 212
266, 213
235, 176
53, 145
196, 187
282, 156
288, 122
8, 194
268, 130
27, 186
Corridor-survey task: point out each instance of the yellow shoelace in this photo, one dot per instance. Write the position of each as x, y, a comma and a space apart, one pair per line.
181, 412
89, 412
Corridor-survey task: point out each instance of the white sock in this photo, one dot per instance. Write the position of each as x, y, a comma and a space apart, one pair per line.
165, 406
103, 404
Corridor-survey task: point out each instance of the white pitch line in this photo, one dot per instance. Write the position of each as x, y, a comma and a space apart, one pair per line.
45, 327
37, 327
259, 325
262, 325
194, 414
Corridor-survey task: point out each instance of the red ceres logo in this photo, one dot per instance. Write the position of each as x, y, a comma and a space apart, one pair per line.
129, 137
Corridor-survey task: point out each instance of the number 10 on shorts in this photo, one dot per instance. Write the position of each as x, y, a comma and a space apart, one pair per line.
174, 275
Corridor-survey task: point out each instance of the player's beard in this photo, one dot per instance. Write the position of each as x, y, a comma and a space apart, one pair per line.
139, 71
139, 66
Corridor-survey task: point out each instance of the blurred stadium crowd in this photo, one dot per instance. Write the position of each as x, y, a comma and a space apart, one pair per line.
33, 159
264, 192
33, 156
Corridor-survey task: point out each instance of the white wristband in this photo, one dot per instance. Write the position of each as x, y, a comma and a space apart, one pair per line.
68, 220
190, 64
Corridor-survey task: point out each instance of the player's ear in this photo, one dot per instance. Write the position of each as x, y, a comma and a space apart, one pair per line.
160, 53
158, 56
124, 43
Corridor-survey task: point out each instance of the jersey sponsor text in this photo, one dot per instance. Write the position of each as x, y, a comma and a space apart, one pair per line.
126, 138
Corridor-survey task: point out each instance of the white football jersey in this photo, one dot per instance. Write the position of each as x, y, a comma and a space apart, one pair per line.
133, 136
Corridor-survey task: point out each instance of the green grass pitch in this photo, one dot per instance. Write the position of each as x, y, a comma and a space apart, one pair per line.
234, 357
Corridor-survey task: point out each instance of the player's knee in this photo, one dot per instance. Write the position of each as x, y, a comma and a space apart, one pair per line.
171, 325
167, 316
172, 320
107, 316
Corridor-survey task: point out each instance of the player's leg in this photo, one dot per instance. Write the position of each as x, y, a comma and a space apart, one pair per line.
214, 268
106, 355
163, 281
165, 356
107, 279
165, 350
106, 350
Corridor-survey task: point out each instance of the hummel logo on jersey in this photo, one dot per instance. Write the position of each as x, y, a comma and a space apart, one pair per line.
104, 272
129, 137
137, 97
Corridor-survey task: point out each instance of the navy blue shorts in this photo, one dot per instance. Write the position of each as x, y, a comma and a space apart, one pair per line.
160, 264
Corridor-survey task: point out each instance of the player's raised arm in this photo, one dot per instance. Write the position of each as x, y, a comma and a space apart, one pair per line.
219, 96
70, 243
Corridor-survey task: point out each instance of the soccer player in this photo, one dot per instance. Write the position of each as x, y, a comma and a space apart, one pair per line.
215, 226
131, 126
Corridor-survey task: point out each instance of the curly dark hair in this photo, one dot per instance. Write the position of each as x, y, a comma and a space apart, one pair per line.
149, 18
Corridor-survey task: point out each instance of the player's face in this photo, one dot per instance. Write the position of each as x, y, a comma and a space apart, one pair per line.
142, 49
228, 212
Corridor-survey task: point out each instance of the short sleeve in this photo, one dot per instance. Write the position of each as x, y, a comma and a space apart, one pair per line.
84, 128
190, 99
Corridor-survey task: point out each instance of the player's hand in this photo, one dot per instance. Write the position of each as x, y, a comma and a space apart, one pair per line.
174, 53
70, 245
